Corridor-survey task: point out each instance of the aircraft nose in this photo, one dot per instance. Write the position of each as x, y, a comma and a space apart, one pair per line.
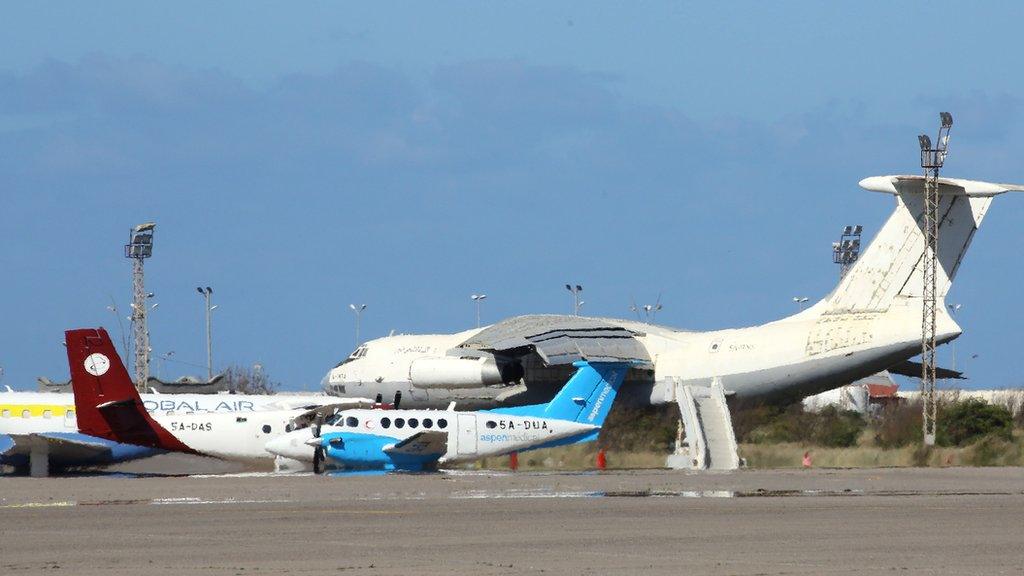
279, 446
291, 445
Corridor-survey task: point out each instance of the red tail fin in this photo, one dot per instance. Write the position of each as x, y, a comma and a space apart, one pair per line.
106, 402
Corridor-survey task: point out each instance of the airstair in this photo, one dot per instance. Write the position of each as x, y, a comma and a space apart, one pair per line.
710, 443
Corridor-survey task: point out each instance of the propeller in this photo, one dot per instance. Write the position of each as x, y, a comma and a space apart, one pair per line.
318, 422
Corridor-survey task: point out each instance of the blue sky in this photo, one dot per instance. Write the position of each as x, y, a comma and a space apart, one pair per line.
300, 158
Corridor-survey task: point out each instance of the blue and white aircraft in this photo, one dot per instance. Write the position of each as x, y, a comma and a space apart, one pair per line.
425, 439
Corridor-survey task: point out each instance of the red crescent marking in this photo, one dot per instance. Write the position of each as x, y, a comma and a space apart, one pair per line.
369, 424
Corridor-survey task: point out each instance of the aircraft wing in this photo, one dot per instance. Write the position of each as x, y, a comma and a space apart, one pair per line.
61, 448
322, 412
422, 444
560, 340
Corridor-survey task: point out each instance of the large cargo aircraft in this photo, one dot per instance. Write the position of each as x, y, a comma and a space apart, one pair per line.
870, 322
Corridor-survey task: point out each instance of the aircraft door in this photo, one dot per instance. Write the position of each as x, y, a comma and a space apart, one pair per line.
467, 433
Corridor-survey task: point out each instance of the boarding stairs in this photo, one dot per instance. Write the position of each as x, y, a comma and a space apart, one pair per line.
710, 443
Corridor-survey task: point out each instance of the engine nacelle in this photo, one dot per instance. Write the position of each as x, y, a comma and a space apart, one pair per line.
451, 372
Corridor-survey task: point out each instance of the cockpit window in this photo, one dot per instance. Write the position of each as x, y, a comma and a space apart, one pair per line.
334, 420
355, 355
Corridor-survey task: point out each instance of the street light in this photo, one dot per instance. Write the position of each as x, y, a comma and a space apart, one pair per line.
800, 301
207, 293
160, 362
576, 303
359, 313
478, 298
120, 324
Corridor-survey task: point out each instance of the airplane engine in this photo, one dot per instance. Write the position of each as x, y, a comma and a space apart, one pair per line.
451, 372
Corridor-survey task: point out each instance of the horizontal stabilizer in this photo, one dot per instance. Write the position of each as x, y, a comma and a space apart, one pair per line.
955, 186
913, 369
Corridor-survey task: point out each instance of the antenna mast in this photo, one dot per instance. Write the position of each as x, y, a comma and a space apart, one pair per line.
931, 162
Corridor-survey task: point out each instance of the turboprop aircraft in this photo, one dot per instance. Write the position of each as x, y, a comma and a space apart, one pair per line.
44, 424
424, 439
870, 322
109, 408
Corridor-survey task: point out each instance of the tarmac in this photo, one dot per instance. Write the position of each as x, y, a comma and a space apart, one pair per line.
907, 521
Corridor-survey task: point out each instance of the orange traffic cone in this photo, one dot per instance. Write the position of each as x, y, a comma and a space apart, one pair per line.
513, 461
602, 462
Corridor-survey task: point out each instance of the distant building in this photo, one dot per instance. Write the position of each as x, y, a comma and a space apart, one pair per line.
183, 385
874, 392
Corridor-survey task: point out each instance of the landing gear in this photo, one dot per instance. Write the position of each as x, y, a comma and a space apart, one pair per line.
318, 460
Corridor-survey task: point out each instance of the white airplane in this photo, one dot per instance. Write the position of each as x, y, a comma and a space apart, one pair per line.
110, 421
870, 322
425, 439
44, 424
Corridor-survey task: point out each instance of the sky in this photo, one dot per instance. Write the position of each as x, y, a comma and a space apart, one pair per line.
298, 158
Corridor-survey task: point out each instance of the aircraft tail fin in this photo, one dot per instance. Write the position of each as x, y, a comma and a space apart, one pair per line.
107, 405
588, 396
890, 268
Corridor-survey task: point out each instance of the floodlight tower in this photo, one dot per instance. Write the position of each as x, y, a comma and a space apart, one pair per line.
931, 162
138, 248
847, 250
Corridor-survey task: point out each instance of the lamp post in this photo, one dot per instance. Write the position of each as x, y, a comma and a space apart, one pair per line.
800, 301
207, 294
359, 314
160, 362
478, 298
576, 303
120, 324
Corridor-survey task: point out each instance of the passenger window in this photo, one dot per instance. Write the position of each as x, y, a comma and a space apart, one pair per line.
26, 414
491, 424
6, 413
442, 423
266, 428
428, 423
385, 422
352, 422
47, 414
399, 422
413, 423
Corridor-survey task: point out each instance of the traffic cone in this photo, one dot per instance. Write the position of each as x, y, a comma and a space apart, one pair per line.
807, 459
513, 461
602, 462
